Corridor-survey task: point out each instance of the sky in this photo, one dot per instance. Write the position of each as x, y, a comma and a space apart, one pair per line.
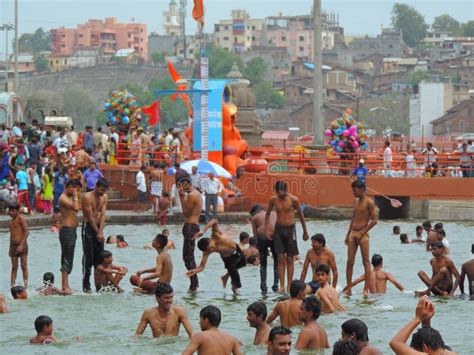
358, 17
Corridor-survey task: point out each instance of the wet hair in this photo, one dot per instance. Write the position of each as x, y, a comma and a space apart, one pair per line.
108, 239
345, 347
259, 309
102, 182
15, 290
318, 237
313, 305
252, 259
278, 330
163, 289
426, 224
212, 314
322, 268
120, 238
104, 255
252, 241
41, 322
255, 209
161, 240
438, 226
243, 236
281, 186
296, 287
203, 244
437, 244
427, 336
441, 231
403, 237
377, 260
357, 327
48, 278
418, 227
396, 228
358, 184
73, 183
14, 206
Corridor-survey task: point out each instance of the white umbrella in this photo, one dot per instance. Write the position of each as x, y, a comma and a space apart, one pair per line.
205, 167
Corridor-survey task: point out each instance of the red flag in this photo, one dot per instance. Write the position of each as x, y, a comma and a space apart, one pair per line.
153, 111
198, 12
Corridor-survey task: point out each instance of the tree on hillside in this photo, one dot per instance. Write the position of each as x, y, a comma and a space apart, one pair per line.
412, 24
35, 42
255, 70
467, 29
158, 58
416, 77
41, 63
80, 107
221, 61
445, 23
267, 96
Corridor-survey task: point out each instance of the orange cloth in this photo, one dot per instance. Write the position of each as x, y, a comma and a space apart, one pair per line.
198, 11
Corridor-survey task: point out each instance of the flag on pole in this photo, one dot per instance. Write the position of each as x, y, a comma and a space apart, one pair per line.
153, 111
198, 12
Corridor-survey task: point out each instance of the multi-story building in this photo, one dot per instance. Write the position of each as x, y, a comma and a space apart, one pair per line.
239, 33
389, 43
109, 35
172, 20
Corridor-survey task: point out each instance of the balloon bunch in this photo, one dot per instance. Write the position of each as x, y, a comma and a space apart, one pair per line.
122, 108
346, 134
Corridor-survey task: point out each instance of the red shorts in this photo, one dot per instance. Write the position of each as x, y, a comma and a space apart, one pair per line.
147, 285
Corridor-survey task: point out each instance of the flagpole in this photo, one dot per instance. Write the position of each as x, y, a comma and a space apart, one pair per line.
157, 129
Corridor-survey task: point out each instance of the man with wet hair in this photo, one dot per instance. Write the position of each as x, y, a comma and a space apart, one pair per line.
48, 288
467, 269
44, 331
166, 319
212, 340
317, 255
431, 234
326, 293
363, 220
256, 316
284, 234
345, 347
312, 336
441, 281
19, 293
279, 341
355, 330
289, 309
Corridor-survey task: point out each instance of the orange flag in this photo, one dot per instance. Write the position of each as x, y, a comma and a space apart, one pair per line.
198, 11
153, 111
176, 77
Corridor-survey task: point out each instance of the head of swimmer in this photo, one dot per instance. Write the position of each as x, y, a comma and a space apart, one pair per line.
256, 314
427, 340
322, 274
437, 248
279, 341
318, 241
310, 309
281, 189
185, 185
164, 296
44, 325
159, 242
358, 188
356, 330
19, 293
72, 186
209, 317
48, 279
101, 187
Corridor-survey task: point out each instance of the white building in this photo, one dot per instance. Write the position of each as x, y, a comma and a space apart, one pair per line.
172, 20
431, 102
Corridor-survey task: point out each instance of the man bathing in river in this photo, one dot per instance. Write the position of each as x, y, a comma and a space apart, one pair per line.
288, 310
191, 203
166, 319
467, 269
363, 220
441, 282
326, 293
284, 235
107, 274
229, 251
257, 316
68, 206
94, 206
18, 243
163, 271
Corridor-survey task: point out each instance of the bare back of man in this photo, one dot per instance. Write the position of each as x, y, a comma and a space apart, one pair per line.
214, 341
288, 310
329, 299
166, 324
467, 269
314, 337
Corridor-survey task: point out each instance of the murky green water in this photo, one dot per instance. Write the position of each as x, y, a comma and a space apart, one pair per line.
107, 322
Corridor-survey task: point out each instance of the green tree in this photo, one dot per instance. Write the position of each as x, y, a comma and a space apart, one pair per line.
416, 77
412, 24
255, 70
467, 29
267, 96
445, 23
41, 63
158, 58
80, 107
35, 42
221, 61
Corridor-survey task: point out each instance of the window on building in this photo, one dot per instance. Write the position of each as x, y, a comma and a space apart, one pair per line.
248, 38
301, 38
226, 38
301, 49
168, 19
283, 38
253, 28
461, 126
235, 40
253, 38
390, 46
81, 36
65, 61
63, 46
57, 61
469, 112
50, 62
248, 28
27, 65
226, 28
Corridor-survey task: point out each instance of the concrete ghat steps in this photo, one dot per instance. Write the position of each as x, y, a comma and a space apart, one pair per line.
452, 210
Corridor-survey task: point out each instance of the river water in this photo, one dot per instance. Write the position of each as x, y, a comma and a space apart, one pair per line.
106, 323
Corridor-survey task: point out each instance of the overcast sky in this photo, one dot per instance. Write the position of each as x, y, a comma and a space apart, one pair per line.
358, 17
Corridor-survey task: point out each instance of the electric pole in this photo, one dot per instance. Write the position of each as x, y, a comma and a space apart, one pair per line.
183, 24
318, 109
15, 83
6, 27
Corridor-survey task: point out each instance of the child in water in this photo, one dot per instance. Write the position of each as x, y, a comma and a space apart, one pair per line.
56, 220
121, 243
107, 274
44, 331
48, 288
404, 238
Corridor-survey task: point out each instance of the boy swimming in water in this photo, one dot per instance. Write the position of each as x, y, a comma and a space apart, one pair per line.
418, 235
44, 331
48, 289
107, 274
19, 293
404, 238
326, 293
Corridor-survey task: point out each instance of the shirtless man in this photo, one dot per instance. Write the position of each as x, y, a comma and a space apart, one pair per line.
18, 243
69, 206
44, 331
355, 330
279, 341
82, 159
211, 340
431, 234
326, 293
319, 254
263, 244
288, 310
256, 316
94, 207
163, 271
156, 185
284, 234
166, 319
48, 288
108, 275
3, 304
441, 282
363, 220
467, 269
222, 244
312, 336
191, 203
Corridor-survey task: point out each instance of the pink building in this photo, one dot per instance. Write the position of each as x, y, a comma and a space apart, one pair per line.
108, 35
